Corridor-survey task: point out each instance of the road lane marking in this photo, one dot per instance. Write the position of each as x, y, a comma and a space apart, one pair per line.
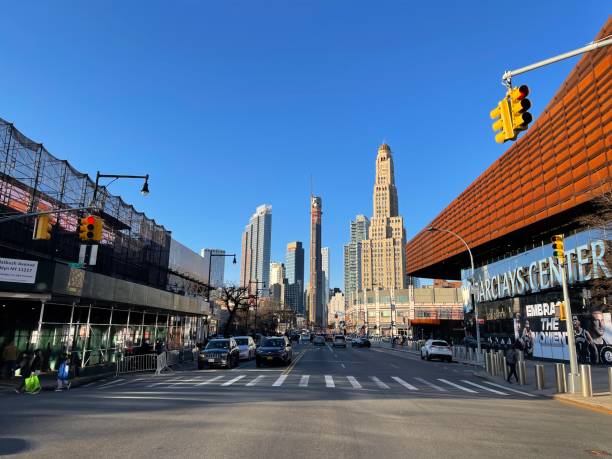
427, 383
184, 381
304, 380
510, 389
232, 381
457, 386
295, 361
329, 381
403, 383
483, 387
279, 381
111, 383
354, 382
208, 381
379, 383
255, 381
342, 365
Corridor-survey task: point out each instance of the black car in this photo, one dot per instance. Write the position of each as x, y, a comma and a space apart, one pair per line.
471, 341
361, 341
220, 353
274, 349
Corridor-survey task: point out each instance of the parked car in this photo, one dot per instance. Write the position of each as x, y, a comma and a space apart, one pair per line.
329, 337
436, 349
276, 349
361, 341
305, 338
339, 341
319, 340
471, 341
247, 347
221, 353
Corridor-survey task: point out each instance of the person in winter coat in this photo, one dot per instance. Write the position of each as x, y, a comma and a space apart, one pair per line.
27, 359
511, 359
63, 373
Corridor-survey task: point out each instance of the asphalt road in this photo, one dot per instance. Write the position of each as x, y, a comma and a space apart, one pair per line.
340, 403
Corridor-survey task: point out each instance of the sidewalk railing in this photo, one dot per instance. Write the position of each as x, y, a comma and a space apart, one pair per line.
136, 364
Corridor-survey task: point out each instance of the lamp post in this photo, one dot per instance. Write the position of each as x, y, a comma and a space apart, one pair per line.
431, 229
144, 190
209, 272
256, 296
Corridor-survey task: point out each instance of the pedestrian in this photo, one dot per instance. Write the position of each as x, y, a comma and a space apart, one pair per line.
74, 363
10, 355
30, 363
511, 358
63, 373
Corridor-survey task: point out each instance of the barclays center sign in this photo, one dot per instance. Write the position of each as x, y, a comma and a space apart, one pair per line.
536, 270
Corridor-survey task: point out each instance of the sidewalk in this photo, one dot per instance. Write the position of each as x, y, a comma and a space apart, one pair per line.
601, 400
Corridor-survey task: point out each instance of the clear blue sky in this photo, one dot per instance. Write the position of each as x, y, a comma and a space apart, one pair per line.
228, 105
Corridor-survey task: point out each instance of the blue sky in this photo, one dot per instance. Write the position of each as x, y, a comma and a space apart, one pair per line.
228, 105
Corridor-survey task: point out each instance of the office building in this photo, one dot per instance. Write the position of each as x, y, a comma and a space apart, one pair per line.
294, 272
352, 256
315, 296
217, 266
256, 242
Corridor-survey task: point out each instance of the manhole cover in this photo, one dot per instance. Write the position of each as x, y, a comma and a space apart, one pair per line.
598, 452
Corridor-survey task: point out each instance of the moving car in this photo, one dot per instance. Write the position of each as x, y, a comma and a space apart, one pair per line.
361, 341
246, 346
319, 340
436, 349
339, 341
220, 353
275, 349
305, 338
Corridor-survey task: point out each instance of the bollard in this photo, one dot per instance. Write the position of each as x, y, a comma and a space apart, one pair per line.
539, 376
521, 355
610, 379
561, 381
505, 365
522, 373
486, 362
585, 380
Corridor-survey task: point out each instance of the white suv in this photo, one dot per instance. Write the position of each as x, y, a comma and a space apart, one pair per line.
339, 341
436, 349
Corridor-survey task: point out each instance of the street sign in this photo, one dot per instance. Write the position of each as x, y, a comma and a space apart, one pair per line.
76, 265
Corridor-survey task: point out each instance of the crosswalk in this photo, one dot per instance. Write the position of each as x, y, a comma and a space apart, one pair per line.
412, 384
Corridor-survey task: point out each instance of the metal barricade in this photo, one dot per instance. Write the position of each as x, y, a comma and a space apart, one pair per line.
585, 381
539, 377
560, 379
136, 364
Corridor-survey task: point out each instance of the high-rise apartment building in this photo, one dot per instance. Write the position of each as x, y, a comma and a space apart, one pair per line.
277, 273
294, 271
315, 295
256, 242
352, 256
217, 266
383, 255
325, 268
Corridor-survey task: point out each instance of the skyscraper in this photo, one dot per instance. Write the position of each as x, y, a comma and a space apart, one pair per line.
325, 269
256, 241
294, 270
217, 270
315, 297
277, 273
383, 258
352, 256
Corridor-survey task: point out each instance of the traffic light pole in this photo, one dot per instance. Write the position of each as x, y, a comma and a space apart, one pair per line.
574, 376
507, 76
36, 214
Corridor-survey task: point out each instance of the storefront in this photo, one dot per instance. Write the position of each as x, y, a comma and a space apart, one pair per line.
519, 299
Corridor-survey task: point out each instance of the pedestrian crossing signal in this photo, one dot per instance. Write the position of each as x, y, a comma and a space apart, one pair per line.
558, 247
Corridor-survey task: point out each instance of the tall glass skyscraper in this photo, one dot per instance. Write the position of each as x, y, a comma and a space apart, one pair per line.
352, 256
256, 242
294, 271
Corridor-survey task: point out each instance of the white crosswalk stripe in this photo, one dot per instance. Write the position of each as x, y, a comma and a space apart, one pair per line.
279, 381
354, 382
457, 386
232, 381
208, 381
255, 381
304, 380
379, 383
483, 387
427, 383
329, 381
116, 381
403, 383
510, 389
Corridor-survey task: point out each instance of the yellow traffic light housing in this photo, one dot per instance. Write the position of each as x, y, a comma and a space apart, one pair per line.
42, 228
558, 247
519, 106
503, 121
86, 228
97, 230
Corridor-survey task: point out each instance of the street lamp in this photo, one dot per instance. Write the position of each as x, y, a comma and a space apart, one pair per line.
209, 271
256, 296
144, 190
431, 229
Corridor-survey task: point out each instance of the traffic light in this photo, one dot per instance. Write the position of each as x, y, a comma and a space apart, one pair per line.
98, 226
42, 228
86, 228
503, 121
519, 106
562, 314
558, 247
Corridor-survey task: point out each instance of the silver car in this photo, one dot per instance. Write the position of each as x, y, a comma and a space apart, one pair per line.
247, 347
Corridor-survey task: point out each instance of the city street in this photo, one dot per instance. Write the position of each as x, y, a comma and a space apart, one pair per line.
342, 402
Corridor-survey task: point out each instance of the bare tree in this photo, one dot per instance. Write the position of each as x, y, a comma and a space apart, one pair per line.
233, 299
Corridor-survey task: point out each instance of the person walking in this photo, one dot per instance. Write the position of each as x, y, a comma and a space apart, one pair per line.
511, 359
10, 353
28, 365
63, 373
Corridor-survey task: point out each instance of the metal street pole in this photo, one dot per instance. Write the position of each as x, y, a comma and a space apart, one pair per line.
473, 300
574, 380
